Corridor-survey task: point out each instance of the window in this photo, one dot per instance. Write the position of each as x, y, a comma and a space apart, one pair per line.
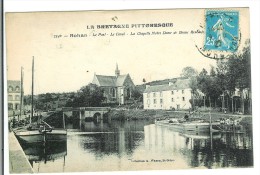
161, 94
10, 106
183, 98
17, 88
154, 101
161, 101
148, 101
17, 97
113, 92
10, 88
10, 97
172, 92
16, 106
172, 99
182, 91
154, 94
148, 95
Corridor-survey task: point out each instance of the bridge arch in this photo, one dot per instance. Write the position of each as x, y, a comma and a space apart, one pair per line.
97, 116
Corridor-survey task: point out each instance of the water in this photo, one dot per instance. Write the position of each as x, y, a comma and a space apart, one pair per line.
140, 145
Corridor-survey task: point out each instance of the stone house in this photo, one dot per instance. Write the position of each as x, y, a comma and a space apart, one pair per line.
117, 89
14, 95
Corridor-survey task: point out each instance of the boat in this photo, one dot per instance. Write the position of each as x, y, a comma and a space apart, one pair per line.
202, 136
41, 131
184, 126
37, 136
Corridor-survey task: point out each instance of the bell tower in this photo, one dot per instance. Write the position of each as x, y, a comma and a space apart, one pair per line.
117, 71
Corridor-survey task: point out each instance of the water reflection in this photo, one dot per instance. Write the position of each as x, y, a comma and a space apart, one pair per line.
140, 145
203, 150
39, 153
118, 143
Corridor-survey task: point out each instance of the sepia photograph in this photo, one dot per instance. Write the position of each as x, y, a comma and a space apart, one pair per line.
129, 90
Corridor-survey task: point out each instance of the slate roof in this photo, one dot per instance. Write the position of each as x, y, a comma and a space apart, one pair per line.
120, 80
13, 83
179, 84
111, 80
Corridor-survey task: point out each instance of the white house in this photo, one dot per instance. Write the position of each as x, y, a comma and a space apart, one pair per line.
175, 95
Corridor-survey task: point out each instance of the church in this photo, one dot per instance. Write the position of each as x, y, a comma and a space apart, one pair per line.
117, 89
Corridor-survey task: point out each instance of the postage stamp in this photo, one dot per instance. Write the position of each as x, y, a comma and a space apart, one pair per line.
222, 30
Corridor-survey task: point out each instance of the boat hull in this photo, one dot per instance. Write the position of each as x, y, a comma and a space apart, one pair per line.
56, 135
37, 137
186, 127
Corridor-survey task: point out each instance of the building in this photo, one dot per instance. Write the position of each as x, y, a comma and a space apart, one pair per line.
117, 89
14, 95
175, 95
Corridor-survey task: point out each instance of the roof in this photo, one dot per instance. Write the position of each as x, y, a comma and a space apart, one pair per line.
120, 80
113, 81
106, 80
179, 84
13, 83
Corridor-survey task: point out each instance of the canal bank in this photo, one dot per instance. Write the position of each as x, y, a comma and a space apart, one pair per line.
141, 114
18, 163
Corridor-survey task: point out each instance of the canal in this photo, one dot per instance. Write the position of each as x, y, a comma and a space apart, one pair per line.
140, 145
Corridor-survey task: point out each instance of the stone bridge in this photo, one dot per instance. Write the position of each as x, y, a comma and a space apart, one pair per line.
86, 112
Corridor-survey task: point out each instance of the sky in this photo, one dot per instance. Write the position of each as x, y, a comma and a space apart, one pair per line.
65, 64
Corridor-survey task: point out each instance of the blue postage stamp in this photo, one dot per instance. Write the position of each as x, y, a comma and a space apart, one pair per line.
222, 30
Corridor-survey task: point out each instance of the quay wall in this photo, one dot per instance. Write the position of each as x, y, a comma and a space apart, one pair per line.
18, 163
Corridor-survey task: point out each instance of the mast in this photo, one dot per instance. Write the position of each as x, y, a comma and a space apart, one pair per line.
21, 95
32, 89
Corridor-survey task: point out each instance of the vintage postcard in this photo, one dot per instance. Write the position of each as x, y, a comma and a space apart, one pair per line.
129, 90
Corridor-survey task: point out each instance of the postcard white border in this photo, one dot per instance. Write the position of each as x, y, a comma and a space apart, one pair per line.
76, 5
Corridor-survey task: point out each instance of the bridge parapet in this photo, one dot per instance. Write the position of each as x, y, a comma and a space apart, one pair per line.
86, 112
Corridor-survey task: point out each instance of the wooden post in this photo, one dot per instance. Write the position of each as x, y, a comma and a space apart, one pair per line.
204, 103
63, 118
32, 89
210, 129
223, 102
21, 95
232, 105
79, 119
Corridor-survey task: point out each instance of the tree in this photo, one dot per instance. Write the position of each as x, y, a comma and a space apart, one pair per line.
191, 73
239, 76
194, 86
90, 95
203, 81
137, 95
208, 85
221, 79
188, 72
